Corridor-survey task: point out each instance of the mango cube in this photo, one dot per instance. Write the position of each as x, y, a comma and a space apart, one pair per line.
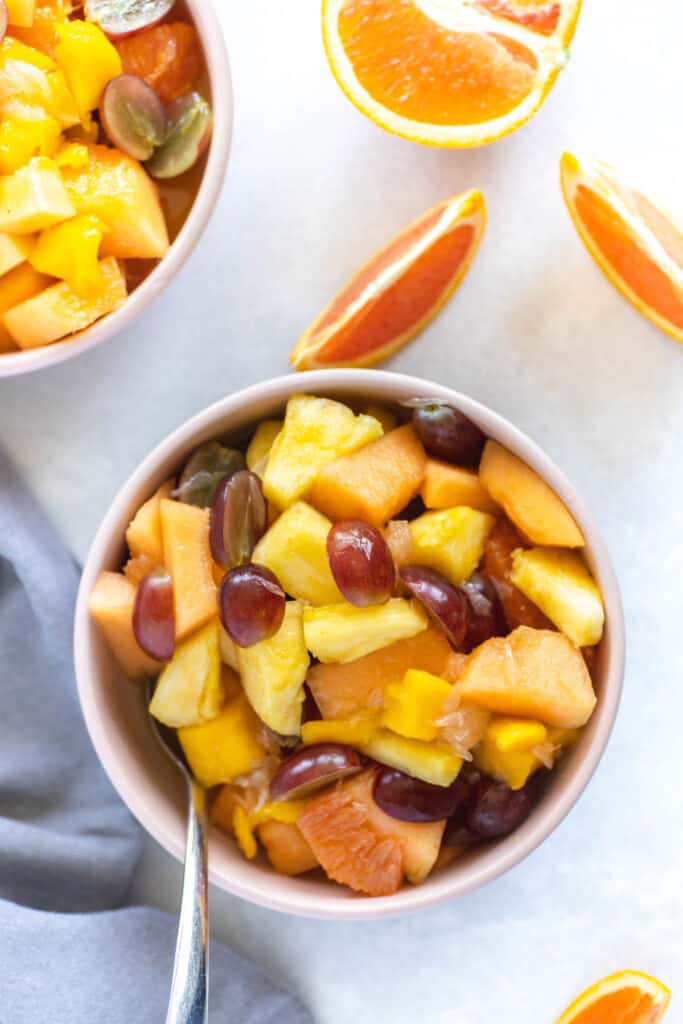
295, 548
507, 752
431, 762
187, 557
69, 251
558, 582
451, 541
21, 139
189, 689
412, 706
111, 606
21, 12
14, 49
352, 733
244, 832
18, 285
33, 198
226, 747
87, 59
143, 535
316, 431
14, 249
446, 486
261, 443
342, 632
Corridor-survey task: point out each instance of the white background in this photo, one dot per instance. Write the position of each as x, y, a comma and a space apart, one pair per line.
537, 333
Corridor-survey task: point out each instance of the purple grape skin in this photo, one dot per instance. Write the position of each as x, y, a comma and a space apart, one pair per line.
310, 711
496, 810
133, 116
361, 563
486, 618
446, 604
408, 799
251, 603
446, 433
312, 768
153, 615
238, 519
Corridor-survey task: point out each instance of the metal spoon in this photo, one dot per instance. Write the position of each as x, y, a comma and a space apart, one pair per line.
188, 1002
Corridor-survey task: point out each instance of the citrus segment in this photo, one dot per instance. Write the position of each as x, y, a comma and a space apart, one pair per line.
625, 998
636, 244
393, 296
168, 57
540, 15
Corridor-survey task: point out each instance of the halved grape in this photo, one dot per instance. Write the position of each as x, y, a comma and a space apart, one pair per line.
408, 799
119, 18
153, 615
486, 617
4, 19
361, 562
189, 129
133, 116
239, 516
251, 603
310, 711
446, 604
208, 464
446, 433
313, 767
496, 810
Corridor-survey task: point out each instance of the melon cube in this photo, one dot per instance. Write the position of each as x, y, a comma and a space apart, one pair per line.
21, 12
187, 557
560, 584
111, 606
143, 535
14, 249
446, 486
412, 706
18, 285
295, 548
189, 689
287, 850
226, 747
33, 198
431, 762
342, 632
451, 541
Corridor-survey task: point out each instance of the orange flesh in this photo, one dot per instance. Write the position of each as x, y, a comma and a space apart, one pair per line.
538, 15
422, 71
627, 1006
633, 265
168, 57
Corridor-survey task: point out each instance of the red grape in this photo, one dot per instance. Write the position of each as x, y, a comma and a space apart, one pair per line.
408, 799
238, 518
189, 130
361, 563
251, 603
313, 767
133, 116
496, 810
486, 617
446, 433
446, 604
120, 18
4, 19
310, 711
208, 464
153, 615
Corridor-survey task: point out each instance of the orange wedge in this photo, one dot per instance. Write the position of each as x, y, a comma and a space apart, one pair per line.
625, 998
637, 245
448, 72
397, 292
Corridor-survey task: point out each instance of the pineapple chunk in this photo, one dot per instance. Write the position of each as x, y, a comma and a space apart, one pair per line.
260, 445
273, 674
189, 689
341, 632
226, 747
187, 556
451, 541
18, 285
558, 582
507, 749
352, 733
295, 548
228, 650
14, 249
111, 606
412, 706
316, 431
143, 535
33, 198
430, 762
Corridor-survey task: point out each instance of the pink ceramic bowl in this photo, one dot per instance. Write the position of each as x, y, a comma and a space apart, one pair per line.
117, 719
202, 14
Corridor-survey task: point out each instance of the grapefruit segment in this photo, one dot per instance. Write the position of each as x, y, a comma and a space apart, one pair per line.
635, 243
399, 290
629, 996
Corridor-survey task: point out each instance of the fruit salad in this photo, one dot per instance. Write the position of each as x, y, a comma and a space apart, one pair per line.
372, 629
101, 128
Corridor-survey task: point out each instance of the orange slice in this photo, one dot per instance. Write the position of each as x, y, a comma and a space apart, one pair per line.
625, 998
636, 244
397, 292
448, 72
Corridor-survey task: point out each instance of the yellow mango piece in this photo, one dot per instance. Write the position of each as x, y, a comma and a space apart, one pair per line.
21, 140
431, 762
111, 606
261, 443
14, 49
294, 547
512, 735
58, 311
187, 557
69, 251
33, 198
451, 541
412, 706
559, 583
16, 286
189, 689
21, 12
528, 500
353, 733
62, 105
446, 486
316, 431
73, 155
143, 535
342, 632
286, 811
14, 249
513, 768
226, 747
273, 674
244, 832
88, 61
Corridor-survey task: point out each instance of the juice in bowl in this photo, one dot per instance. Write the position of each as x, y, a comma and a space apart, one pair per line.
114, 136
383, 626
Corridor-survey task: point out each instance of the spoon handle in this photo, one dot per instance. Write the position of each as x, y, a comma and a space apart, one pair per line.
188, 1003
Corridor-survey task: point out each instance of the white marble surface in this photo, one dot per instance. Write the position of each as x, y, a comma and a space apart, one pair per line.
537, 333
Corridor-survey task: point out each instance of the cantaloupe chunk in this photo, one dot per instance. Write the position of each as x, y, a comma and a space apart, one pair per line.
287, 850
21, 12
59, 311
14, 249
342, 632
143, 535
189, 690
374, 483
187, 557
446, 486
226, 747
532, 673
33, 198
528, 500
451, 541
559, 582
18, 285
115, 188
295, 548
111, 605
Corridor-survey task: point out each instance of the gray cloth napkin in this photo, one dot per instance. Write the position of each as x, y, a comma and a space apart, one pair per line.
71, 951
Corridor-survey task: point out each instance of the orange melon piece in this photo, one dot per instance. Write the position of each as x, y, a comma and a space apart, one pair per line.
21, 12
111, 605
287, 850
447, 486
115, 188
20, 284
58, 311
143, 535
374, 483
187, 557
343, 690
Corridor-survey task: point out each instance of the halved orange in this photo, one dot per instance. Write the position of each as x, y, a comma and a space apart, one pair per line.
625, 998
399, 290
637, 245
448, 72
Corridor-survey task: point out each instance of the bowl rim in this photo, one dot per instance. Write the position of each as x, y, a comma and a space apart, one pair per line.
205, 19
497, 859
